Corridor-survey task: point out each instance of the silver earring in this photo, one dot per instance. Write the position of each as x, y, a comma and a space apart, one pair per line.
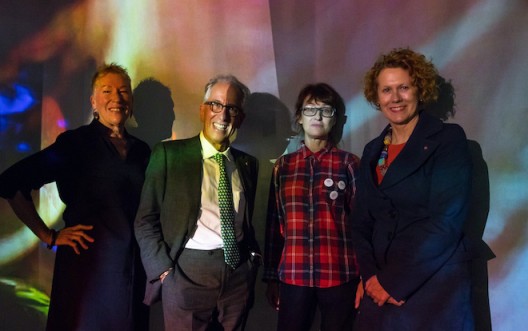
96, 115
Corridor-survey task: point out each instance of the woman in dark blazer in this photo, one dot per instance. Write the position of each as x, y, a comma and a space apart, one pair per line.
413, 196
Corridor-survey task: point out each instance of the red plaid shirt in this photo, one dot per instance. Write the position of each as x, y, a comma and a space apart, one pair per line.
308, 239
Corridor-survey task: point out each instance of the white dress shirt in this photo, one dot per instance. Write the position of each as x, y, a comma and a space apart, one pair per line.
208, 235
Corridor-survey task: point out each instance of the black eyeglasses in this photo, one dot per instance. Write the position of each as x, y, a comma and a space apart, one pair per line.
325, 111
217, 107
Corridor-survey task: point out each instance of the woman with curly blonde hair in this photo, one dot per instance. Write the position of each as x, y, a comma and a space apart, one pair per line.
412, 201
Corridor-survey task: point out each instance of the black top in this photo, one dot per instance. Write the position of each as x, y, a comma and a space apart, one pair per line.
102, 287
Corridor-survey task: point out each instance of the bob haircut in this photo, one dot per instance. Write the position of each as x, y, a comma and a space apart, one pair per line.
323, 93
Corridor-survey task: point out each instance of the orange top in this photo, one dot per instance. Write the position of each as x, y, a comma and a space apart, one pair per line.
393, 152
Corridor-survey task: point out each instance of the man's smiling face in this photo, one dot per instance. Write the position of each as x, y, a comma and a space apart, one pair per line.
220, 127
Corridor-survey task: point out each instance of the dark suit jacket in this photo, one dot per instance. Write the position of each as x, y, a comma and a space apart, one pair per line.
170, 205
411, 226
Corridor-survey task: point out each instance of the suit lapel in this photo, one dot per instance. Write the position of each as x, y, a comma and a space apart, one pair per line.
189, 170
196, 162
417, 150
242, 165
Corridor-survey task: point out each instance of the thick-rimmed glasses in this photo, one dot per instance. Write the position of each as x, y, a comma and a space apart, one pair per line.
325, 111
217, 107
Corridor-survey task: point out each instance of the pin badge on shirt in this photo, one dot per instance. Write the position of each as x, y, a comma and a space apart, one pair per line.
341, 184
328, 182
333, 195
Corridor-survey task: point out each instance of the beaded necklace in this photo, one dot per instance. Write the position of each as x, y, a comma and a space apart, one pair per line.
382, 162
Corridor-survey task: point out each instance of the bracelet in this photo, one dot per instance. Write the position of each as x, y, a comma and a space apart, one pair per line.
54, 235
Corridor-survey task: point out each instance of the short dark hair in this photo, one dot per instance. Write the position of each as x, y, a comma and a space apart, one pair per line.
326, 94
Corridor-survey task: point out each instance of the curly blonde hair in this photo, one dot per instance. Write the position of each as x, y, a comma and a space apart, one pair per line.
422, 71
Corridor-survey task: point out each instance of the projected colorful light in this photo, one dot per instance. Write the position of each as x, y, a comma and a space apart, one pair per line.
275, 48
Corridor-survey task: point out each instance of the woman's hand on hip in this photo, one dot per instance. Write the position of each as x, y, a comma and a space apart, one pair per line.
75, 236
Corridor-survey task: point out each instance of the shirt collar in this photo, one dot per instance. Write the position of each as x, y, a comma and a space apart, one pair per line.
208, 151
307, 152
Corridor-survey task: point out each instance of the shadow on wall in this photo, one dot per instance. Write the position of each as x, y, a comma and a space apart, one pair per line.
475, 225
153, 112
266, 127
444, 108
263, 134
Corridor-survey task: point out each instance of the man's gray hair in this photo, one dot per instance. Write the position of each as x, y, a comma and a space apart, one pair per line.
243, 90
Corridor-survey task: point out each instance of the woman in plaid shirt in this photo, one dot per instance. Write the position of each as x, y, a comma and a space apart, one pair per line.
309, 259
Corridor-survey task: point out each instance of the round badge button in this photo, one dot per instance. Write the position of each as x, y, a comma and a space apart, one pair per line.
328, 182
333, 195
341, 184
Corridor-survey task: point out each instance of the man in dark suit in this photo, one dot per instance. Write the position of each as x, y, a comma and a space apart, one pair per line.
181, 228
